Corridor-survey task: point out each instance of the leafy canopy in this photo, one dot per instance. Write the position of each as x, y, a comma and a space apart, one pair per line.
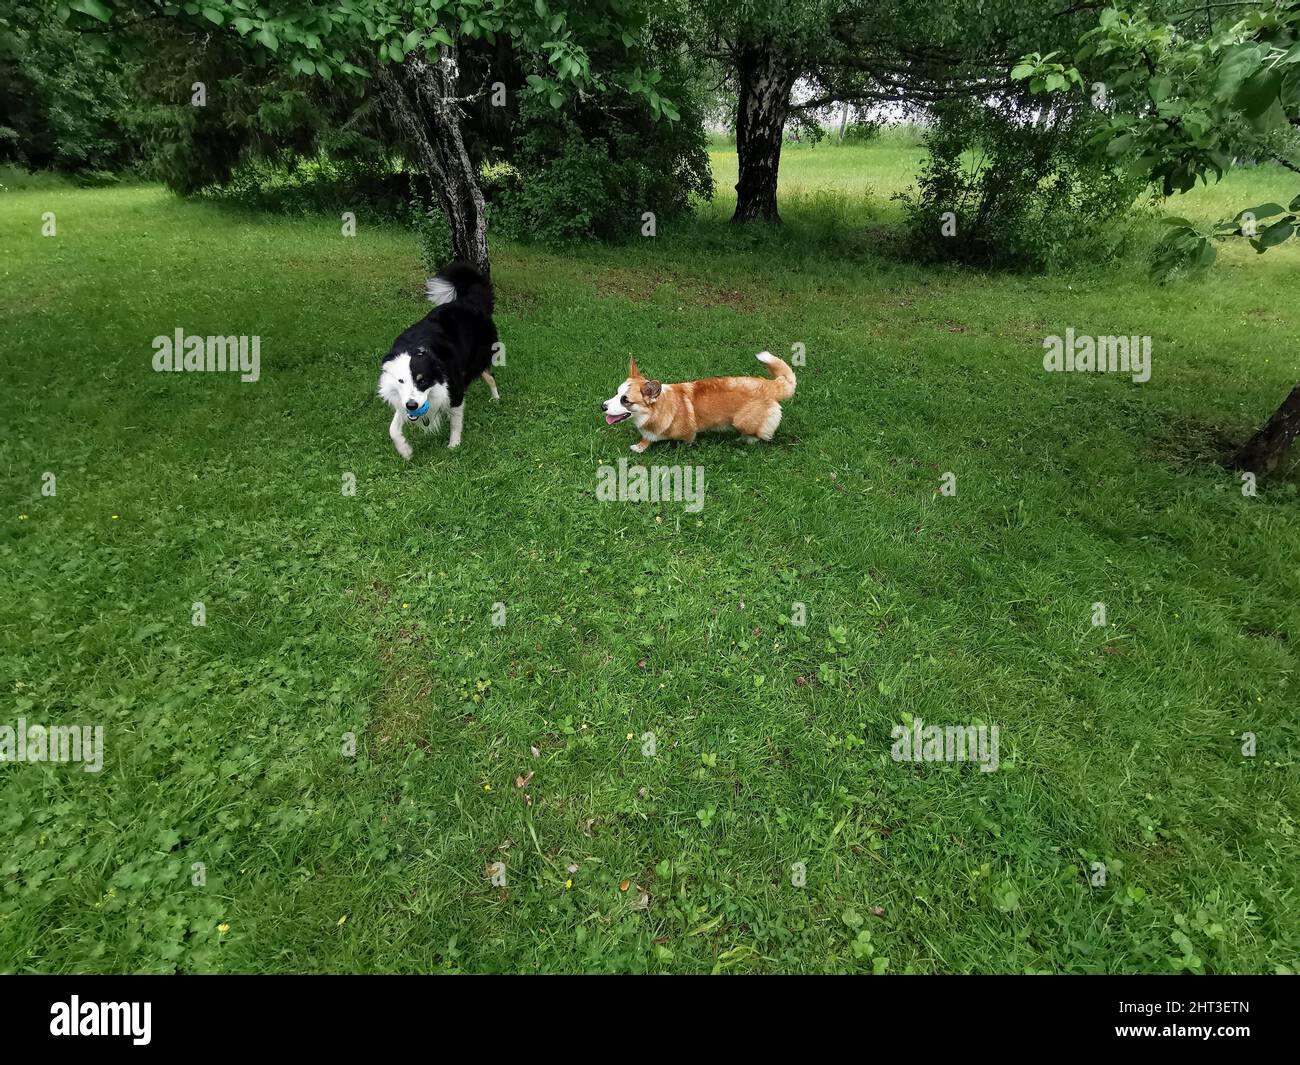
1185, 106
350, 37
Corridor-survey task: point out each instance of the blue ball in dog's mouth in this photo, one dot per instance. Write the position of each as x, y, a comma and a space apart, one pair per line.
415, 415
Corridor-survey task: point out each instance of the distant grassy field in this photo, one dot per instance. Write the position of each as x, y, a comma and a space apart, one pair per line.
231, 829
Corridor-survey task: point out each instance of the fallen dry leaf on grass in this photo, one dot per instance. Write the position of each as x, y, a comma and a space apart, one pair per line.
522, 782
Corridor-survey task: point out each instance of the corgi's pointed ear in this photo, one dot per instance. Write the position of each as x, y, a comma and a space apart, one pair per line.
632, 372
650, 390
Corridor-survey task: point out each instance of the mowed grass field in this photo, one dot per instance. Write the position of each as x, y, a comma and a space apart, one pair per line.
330, 614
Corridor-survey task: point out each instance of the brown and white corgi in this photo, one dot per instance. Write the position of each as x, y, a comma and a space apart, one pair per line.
751, 405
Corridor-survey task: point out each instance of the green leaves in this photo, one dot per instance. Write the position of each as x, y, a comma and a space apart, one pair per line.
93, 8
1275, 234
1184, 249
1264, 210
1045, 76
1237, 65
1185, 105
1258, 93
1117, 146
1187, 247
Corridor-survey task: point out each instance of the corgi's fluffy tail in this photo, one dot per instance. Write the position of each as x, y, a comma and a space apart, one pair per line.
783, 378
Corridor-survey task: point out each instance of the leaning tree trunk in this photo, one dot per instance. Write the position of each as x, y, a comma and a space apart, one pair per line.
766, 79
1266, 450
422, 94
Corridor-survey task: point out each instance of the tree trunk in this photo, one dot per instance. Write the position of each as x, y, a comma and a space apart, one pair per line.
423, 96
1267, 449
766, 79
844, 121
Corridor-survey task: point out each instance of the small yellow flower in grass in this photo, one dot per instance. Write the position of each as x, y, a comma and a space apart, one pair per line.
487, 787
22, 517
568, 884
406, 606
342, 919
115, 517
223, 928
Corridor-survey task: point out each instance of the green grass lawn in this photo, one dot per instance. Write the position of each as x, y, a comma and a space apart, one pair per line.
372, 614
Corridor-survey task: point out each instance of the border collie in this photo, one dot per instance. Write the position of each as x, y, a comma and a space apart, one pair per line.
429, 367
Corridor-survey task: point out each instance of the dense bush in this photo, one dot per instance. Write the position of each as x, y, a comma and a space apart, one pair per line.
61, 99
593, 171
290, 184
265, 138
254, 118
1027, 194
268, 139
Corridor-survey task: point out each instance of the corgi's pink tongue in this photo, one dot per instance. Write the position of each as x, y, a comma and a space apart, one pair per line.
611, 420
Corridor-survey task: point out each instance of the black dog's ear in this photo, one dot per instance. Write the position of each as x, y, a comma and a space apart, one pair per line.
650, 390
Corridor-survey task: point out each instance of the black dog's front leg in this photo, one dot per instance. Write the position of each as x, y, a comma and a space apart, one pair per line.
457, 396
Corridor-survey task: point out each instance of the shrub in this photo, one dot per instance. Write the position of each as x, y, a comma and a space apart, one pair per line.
61, 99
292, 185
434, 235
593, 172
1026, 194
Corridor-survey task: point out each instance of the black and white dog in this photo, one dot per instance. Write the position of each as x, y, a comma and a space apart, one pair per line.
430, 366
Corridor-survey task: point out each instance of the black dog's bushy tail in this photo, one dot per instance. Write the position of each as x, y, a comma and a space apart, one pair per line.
460, 281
